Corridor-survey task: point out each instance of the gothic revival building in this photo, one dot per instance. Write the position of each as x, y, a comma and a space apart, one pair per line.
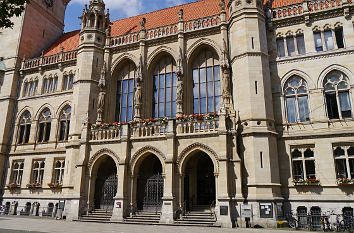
241, 108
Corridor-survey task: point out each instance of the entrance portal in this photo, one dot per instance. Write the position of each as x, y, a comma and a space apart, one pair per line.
199, 182
150, 184
106, 184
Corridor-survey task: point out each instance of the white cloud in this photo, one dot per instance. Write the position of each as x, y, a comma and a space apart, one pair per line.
128, 7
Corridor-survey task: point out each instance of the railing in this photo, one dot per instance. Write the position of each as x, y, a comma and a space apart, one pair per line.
312, 6
106, 134
202, 23
190, 127
153, 130
162, 32
49, 60
125, 39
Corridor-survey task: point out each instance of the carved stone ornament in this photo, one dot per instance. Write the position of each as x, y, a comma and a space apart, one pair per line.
101, 94
143, 23
225, 67
222, 5
138, 90
180, 15
179, 73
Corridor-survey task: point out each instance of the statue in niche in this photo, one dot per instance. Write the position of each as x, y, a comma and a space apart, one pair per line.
138, 90
143, 23
101, 94
225, 67
179, 73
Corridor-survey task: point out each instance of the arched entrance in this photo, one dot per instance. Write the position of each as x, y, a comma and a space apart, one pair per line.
199, 182
106, 184
150, 184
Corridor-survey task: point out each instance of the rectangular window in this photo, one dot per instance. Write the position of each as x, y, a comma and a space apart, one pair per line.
303, 161
65, 87
344, 161
329, 40
291, 46
300, 44
304, 108
318, 41
280, 47
339, 37
59, 166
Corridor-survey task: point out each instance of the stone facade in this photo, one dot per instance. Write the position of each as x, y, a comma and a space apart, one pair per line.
283, 111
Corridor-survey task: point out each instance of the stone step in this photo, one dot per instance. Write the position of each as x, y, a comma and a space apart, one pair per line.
95, 219
194, 224
208, 218
144, 221
100, 214
198, 213
145, 217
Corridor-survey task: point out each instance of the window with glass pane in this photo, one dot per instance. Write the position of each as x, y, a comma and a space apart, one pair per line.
290, 46
296, 100
17, 172
318, 41
336, 88
339, 37
59, 167
206, 83
300, 41
125, 93
50, 85
280, 47
64, 126
68, 82
24, 128
344, 161
44, 126
38, 172
329, 40
26, 89
303, 161
165, 88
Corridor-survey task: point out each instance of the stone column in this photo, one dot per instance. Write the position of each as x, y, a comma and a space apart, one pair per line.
120, 199
167, 213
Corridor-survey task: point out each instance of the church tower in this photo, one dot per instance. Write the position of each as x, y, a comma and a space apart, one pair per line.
253, 101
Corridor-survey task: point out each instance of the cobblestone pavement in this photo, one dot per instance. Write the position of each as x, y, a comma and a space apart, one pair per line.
40, 225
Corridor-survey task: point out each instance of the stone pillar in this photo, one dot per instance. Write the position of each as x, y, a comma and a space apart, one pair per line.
167, 210
91, 192
119, 209
14, 205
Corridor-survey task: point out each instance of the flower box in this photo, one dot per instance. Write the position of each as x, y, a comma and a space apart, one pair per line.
342, 181
114, 125
34, 185
311, 181
151, 121
13, 186
55, 186
198, 117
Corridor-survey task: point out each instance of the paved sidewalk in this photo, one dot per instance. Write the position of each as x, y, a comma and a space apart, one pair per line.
10, 224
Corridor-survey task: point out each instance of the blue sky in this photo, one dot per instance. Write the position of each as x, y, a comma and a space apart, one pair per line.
118, 8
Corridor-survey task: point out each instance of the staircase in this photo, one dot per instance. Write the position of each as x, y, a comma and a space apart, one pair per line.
99, 215
144, 217
198, 216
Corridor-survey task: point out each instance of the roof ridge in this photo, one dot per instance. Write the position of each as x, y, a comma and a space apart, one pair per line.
136, 16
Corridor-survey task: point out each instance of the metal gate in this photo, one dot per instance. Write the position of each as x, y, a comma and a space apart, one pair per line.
153, 193
109, 191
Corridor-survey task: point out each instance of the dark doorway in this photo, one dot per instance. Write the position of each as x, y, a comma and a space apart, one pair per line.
150, 184
106, 184
199, 182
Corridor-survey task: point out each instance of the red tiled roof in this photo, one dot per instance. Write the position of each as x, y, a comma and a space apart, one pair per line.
281, 3
168, 16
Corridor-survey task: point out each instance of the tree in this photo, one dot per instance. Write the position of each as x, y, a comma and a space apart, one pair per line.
10, 8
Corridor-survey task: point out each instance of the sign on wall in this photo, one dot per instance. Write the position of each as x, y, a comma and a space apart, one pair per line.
246, 211
266, 210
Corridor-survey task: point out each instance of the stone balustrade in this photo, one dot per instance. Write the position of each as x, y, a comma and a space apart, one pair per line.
162, 32
157, 129
106, 134
125, 39
312, 6
202, 23
193, 127
49, 60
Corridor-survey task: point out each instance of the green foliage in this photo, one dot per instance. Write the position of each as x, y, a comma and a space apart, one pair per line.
10, 8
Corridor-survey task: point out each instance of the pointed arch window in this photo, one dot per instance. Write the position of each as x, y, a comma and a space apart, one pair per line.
344, 161
30, 88
296, 100
64, 125
44, 126
50, 85
336, 91
125, 94
68, 82
165, 88
25, 128
206, 83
